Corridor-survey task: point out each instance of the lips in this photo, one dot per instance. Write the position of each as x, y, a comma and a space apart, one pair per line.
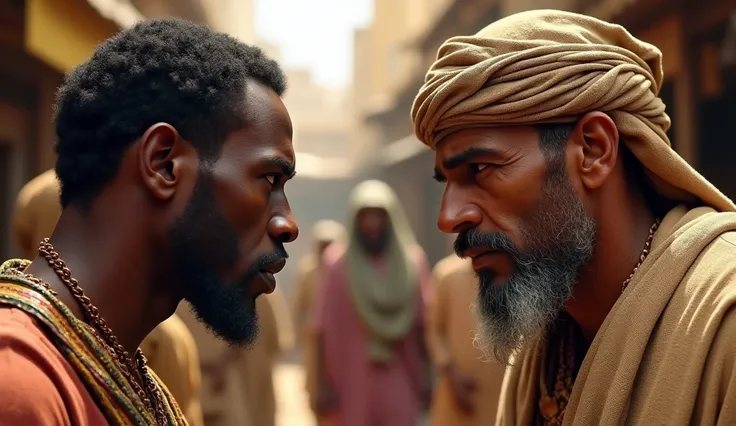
267, 273
275, 267
481, 257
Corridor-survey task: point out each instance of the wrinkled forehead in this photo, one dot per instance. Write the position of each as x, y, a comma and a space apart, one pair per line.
462, 145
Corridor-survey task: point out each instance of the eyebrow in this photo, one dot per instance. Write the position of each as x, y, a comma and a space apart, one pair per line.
463, 157
287, 167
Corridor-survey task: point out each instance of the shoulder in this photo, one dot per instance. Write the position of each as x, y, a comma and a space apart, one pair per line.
42, 184
447, 265
451, 267
37, 383
172, 333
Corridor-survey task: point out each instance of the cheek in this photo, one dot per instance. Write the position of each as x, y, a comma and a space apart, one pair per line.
246, 208
512, 195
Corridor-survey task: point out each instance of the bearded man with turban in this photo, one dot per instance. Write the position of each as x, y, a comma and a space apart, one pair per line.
606, 264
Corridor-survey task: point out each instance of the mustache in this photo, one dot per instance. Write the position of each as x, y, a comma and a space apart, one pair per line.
264, 261
476, 239
267, 259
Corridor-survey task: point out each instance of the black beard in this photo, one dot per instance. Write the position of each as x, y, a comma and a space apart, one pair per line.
203, 244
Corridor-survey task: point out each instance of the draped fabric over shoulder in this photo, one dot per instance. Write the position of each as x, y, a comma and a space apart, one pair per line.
79, 344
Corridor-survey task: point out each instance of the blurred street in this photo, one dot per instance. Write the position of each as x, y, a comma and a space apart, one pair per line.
380, 330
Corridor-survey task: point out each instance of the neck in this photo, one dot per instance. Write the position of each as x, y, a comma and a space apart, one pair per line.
113, 270
620, 241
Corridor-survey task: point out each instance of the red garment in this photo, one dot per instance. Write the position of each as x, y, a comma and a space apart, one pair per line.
368, 394
37, 385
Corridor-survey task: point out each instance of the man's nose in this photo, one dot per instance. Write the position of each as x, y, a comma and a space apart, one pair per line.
283, 228
456, 213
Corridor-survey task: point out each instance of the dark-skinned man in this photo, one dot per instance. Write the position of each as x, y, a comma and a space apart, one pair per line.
173, 150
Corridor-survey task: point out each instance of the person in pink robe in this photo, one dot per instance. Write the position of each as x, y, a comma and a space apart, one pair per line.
373, 365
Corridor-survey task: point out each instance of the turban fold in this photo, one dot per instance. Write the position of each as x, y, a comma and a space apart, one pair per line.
549, 66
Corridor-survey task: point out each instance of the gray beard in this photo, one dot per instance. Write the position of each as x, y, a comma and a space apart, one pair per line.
559, 239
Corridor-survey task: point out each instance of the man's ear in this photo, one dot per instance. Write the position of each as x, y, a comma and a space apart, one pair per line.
597, 136
161, 157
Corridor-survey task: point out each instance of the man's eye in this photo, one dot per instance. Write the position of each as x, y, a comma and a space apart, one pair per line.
272, 179
478, 167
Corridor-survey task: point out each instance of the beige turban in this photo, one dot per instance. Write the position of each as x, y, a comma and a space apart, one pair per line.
547, 66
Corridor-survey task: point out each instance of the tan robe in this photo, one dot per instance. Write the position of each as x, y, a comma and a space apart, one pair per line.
37, 209
257, 363
172, 354
36, 212
666, 353
248, 398
450, 332
226, 408
305, 292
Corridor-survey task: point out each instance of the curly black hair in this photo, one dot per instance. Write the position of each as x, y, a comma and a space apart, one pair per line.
163, 70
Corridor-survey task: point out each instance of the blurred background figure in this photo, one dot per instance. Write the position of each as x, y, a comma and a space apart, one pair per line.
37, 209
258, 363
222, 393
169, 347
238, 383
172, 354
306, 286
469, 383
370, 318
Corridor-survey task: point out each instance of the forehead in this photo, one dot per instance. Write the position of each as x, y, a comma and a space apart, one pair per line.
268, 132
502, 140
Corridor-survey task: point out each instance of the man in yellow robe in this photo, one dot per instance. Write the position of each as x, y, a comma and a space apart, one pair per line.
237, 383
306, 283
606, 264
37, 209
172, 354
468, 387
169, 347
259, 362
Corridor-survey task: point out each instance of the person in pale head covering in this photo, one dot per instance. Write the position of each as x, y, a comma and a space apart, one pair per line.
373, 367
605, 263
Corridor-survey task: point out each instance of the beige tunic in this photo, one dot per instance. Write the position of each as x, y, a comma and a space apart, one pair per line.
666, 352
172, 354
450, 332
305, 291
226, 408
257, 364
248, 398
37, 209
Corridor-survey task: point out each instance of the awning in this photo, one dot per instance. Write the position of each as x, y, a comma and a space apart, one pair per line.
64, 33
